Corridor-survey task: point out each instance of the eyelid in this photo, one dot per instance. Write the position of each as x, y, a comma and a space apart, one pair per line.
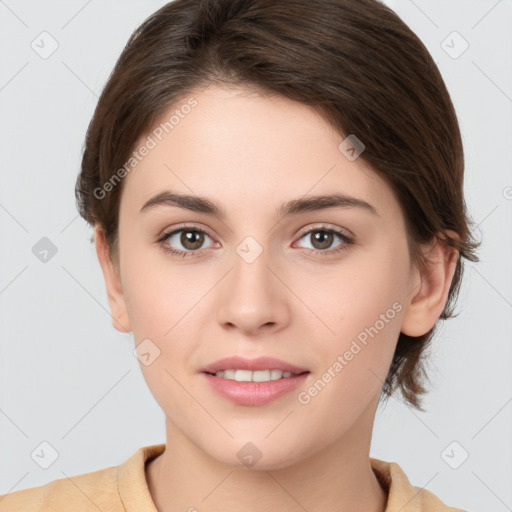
326, 227
344, 234
301, 233
180, 227
165, 234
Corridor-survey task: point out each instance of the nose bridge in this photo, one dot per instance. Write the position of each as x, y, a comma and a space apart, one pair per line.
251, 268
251, 297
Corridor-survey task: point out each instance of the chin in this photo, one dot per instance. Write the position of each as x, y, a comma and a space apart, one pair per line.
256, 454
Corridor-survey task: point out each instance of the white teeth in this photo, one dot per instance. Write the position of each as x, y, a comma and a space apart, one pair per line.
276, 374
243, 375
256, 376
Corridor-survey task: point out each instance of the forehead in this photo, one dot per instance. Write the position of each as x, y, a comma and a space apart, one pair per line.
247, 150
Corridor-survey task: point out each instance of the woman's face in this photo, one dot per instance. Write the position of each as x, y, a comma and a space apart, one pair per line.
262, 280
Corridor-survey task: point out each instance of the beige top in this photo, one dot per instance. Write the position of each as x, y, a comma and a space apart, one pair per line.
124, 489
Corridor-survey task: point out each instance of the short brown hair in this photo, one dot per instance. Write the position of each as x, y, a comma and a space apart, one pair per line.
354, 61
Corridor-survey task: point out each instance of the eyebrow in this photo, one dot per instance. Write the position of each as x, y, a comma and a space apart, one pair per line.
293, 207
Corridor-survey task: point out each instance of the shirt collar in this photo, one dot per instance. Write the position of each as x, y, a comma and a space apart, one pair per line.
135, 495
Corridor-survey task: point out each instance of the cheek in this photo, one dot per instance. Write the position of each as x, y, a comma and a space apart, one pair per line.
157, 294
354, 363
163, 313
352, 295
165, 305
361, 303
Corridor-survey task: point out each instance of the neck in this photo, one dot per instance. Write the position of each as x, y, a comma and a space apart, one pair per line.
338, 478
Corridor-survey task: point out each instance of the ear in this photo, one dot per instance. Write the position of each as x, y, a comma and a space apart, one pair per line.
111, 274
429, 288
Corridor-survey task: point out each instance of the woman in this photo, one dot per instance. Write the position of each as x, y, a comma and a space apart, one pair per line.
276, 190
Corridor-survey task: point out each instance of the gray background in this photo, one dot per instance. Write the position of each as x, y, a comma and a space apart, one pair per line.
69, 379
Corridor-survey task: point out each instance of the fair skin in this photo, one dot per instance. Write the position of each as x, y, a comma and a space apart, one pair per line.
298, 301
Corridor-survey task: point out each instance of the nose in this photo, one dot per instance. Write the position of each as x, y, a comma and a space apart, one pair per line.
252, 297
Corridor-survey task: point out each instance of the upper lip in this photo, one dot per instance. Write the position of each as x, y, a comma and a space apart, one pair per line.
260, 363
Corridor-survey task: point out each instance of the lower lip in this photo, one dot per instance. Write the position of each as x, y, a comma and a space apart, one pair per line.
254, 393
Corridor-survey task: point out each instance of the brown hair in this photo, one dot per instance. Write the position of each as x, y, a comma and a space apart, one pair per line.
355, 62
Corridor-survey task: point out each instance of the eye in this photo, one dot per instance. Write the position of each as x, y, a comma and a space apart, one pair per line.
322, 238
190, 238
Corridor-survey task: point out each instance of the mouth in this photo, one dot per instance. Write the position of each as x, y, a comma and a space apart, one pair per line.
241, 375
253, 382
261, 369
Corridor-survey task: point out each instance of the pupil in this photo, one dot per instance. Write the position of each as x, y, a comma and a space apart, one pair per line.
324, 238
192, 239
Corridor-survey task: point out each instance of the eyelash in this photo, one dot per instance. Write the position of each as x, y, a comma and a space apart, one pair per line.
347, 241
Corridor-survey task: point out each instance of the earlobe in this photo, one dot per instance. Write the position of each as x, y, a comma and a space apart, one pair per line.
429, 289
115, 295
